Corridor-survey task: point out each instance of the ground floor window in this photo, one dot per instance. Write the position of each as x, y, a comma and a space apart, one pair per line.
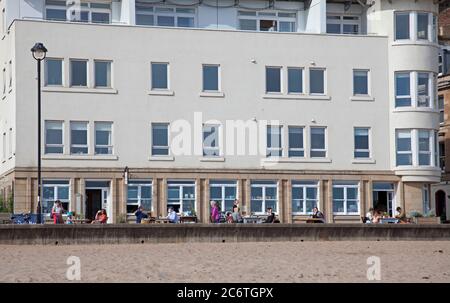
55, 190
263, 195
224, 192
304, 196
181, 196
139, 193
383, 197
345, 198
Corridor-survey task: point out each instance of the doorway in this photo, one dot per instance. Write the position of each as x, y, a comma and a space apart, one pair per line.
383, 197
93, 202
440, 204
97, 198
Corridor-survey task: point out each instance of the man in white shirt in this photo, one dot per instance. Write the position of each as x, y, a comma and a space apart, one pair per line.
173, 217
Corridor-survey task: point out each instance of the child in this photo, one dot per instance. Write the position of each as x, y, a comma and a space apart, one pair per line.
69, 218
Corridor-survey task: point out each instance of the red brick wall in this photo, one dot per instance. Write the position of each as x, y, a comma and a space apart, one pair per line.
444, 22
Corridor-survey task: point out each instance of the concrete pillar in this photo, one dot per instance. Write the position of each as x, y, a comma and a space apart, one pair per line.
198, 194
155, 197
288, 218
163, 197
82, 194
246, 203
362, 197
205, 204
73, 201
329, 201
281, 199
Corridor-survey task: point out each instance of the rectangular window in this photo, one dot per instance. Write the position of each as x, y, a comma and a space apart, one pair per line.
78, 137
345, 198
103, 138
318, 146
211, 140
403, 147
102, 73
160, 139
139, 193
434, 29
402, 89
56, 14
146, 14
295, 80
54, 137
441, 109
53, 72
210, 77
296, 146
304, 196
317, 81
53, 190
224, 192
273, 79
346, 24
78, 73
402, 26
423, 90
362, 148
248, 25
360, 82
267, 21
160, 75
425, 143
263, 194
422, 26
274, 147
181, 196
100, 17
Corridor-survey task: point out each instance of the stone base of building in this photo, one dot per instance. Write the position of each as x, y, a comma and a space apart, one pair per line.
84, 187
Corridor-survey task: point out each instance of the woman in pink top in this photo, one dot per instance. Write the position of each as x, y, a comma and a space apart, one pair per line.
215, 216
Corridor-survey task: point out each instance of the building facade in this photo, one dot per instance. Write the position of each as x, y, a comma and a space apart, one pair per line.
287, 104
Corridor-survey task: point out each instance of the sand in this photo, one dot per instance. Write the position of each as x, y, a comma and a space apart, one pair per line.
230, 262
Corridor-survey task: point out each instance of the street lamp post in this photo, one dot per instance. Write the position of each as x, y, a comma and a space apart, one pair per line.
39, 52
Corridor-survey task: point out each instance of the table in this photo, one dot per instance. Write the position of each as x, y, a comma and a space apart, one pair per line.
80, 221
161, 221
389, 220
311, 220
252, 220
188, 219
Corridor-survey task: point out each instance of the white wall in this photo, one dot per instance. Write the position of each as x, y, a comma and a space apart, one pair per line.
316, 17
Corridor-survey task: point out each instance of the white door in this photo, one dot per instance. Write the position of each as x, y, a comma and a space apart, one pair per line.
106, 204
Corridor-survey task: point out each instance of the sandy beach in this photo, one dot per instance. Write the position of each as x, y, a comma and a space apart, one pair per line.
230, 262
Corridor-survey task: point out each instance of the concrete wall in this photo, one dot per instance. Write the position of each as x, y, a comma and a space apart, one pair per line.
178, 233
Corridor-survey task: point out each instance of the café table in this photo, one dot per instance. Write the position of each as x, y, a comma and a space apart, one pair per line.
389, 220
161, 220
188, 219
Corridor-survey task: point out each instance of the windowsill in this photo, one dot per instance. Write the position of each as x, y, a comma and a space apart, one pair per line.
212, 159
62, 89
415, 109
296, 97
212, 94
295, 160
423, 168
364, 161
346, 215
160, 92
415, 42
80, 157
161, 158
362, 98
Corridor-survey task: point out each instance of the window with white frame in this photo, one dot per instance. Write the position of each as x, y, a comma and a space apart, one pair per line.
210, 73
103, 138
414, 89
94, 12
139, 193
362, 143
343, 24
181, 196
317, 81
53, 190
416, 147
55, 10
102, 70
211, 140
160, 139
441, 109
78, 137
412, 25
273, 79
267, 21
360, 82
78, 72
53, 72
224, 192
318, 142
295, 80
54, 137
160, 76
149, 14
263, 195
304, 196
296, 141
345, 198
274, 145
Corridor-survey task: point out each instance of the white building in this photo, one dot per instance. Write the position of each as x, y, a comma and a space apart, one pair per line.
341, 95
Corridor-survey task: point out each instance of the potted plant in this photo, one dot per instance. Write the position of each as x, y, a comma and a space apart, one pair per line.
429, 218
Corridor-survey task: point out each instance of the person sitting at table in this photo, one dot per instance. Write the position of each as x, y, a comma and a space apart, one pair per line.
270, 216
377, 217
400, 214
316, 214
369, 216
140, 214
236, 215
69, 218
172, 215
100, 217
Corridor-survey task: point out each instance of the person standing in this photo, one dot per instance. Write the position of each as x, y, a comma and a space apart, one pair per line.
215, 215
270, 216
236, 216
56, 213
172, 216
